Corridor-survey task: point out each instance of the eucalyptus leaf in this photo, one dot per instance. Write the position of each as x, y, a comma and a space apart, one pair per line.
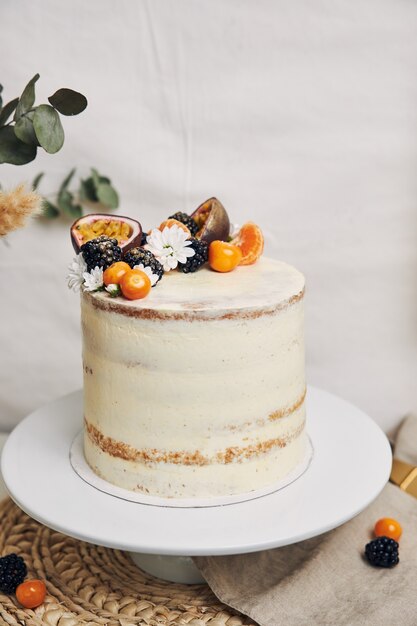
66, 204
88, 190
67, 180
37, 180
1, 99
14, 151
68, 102
96, 177
107, 195
7, 110
24, 130
48, 128
27, 99
49, 210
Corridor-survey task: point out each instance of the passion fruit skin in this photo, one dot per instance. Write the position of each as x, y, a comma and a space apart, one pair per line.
133, 240
215, 221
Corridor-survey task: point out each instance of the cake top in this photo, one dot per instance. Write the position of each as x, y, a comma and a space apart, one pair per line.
267, 285
196, 265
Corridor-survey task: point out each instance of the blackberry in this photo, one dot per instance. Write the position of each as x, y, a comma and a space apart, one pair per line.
193, 263
143, 238
189, 221
101, 251
135, 256
382, 552
13, 571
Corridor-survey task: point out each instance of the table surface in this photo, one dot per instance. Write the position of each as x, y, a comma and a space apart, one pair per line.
3, 492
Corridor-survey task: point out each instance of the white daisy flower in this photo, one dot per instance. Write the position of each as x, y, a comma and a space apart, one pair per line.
148, 271
113, 289
93, 280
76, 270
171, 246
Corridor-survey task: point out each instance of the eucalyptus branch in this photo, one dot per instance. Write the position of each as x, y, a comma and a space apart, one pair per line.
35, 126
96, 189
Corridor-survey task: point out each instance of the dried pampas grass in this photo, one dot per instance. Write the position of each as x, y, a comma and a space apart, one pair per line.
16, 206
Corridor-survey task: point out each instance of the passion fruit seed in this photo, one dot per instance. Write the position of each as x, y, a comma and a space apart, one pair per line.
117, 230
125, 230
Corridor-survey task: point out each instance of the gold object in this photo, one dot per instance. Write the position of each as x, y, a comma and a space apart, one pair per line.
405, 476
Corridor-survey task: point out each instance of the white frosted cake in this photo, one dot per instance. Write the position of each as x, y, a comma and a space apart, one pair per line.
198, 389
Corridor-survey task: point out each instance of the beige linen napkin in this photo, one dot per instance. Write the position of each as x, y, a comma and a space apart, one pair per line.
325, 581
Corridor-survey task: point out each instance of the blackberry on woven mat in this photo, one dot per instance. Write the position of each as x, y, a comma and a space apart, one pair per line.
136, 256
13, 571
101, 252
194, 263
382, 552
187, 220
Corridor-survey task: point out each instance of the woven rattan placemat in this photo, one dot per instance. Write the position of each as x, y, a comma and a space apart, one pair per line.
89, 585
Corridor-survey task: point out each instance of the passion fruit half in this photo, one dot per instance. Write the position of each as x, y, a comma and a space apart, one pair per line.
212, 220
127, 231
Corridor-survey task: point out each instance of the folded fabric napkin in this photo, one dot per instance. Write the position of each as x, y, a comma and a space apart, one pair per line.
326, 581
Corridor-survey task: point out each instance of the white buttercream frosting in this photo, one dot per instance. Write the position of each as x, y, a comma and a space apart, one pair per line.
203, 381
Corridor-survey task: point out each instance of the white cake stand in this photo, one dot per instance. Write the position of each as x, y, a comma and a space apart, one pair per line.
350, 466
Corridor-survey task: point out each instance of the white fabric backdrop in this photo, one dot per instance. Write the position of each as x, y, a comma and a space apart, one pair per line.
300, 115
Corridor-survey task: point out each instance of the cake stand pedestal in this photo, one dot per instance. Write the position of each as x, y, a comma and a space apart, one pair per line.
350, 466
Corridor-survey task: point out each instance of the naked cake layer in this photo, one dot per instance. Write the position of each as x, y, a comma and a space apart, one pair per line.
198, 389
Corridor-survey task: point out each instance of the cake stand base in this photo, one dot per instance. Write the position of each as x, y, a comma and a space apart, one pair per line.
177, 569
350, 466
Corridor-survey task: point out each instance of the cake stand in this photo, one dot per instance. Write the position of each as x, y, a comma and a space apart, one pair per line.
350, 466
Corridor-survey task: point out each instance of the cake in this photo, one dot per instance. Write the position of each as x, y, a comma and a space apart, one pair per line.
197, 390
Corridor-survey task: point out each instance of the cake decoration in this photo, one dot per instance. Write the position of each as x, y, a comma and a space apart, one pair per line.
212, 221
76, 271
187, 220
173, 222
101, 252
135, 285
127, 231
170, 246
114, 273
111, 246
200, 257
114, 290
223, 256
251, 241
93, 280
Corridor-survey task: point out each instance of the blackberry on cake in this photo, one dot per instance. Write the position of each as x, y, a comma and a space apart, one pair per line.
13, 571
187, 220
382, 552
137, 256
200, 257
101, 252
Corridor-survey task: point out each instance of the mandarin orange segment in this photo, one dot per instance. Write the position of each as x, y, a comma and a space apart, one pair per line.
173, 222
251, 242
